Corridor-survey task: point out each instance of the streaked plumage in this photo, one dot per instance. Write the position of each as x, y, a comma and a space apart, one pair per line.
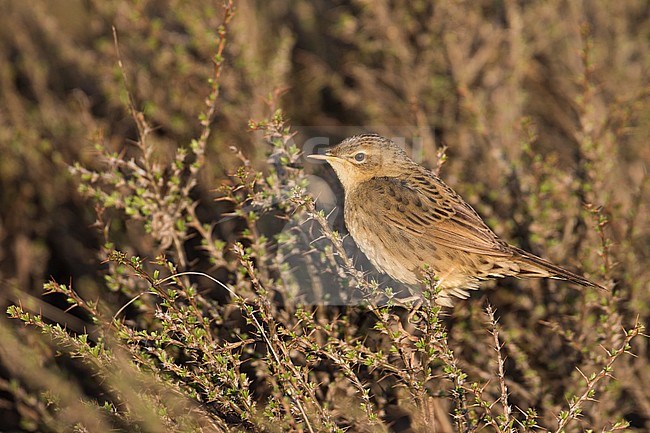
402, 216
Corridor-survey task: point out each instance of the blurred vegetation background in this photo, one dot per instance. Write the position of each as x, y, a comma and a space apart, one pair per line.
542, 107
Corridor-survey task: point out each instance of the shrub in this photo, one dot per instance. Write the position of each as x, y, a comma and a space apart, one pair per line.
255, 312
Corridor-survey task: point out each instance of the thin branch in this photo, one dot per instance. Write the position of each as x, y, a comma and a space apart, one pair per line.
494, 330
575, 404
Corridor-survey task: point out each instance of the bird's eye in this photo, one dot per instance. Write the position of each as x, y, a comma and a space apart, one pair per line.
360, 157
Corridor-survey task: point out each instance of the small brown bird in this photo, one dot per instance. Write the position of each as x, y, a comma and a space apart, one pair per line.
403, 217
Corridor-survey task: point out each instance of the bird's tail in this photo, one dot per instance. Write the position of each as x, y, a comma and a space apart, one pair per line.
533, 266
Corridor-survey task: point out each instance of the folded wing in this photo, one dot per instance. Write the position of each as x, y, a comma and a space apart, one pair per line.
427, 208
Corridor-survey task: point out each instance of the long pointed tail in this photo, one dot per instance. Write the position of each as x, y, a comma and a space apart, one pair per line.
533, 266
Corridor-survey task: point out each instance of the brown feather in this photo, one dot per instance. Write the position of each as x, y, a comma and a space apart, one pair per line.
403, 217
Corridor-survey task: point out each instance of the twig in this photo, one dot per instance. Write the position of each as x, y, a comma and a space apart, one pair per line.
335, 239
494, 330
575, 404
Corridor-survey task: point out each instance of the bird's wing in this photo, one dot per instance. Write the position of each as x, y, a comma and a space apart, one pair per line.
426, 207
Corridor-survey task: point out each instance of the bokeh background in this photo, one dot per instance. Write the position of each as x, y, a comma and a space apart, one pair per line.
543, 107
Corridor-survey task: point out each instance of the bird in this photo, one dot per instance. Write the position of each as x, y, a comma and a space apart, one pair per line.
405, 219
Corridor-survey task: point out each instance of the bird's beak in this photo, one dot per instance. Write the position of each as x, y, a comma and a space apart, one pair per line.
327, 156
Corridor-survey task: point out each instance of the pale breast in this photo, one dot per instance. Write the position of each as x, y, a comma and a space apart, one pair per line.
387, 247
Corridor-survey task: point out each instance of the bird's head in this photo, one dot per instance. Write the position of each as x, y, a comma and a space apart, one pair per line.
362, 157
